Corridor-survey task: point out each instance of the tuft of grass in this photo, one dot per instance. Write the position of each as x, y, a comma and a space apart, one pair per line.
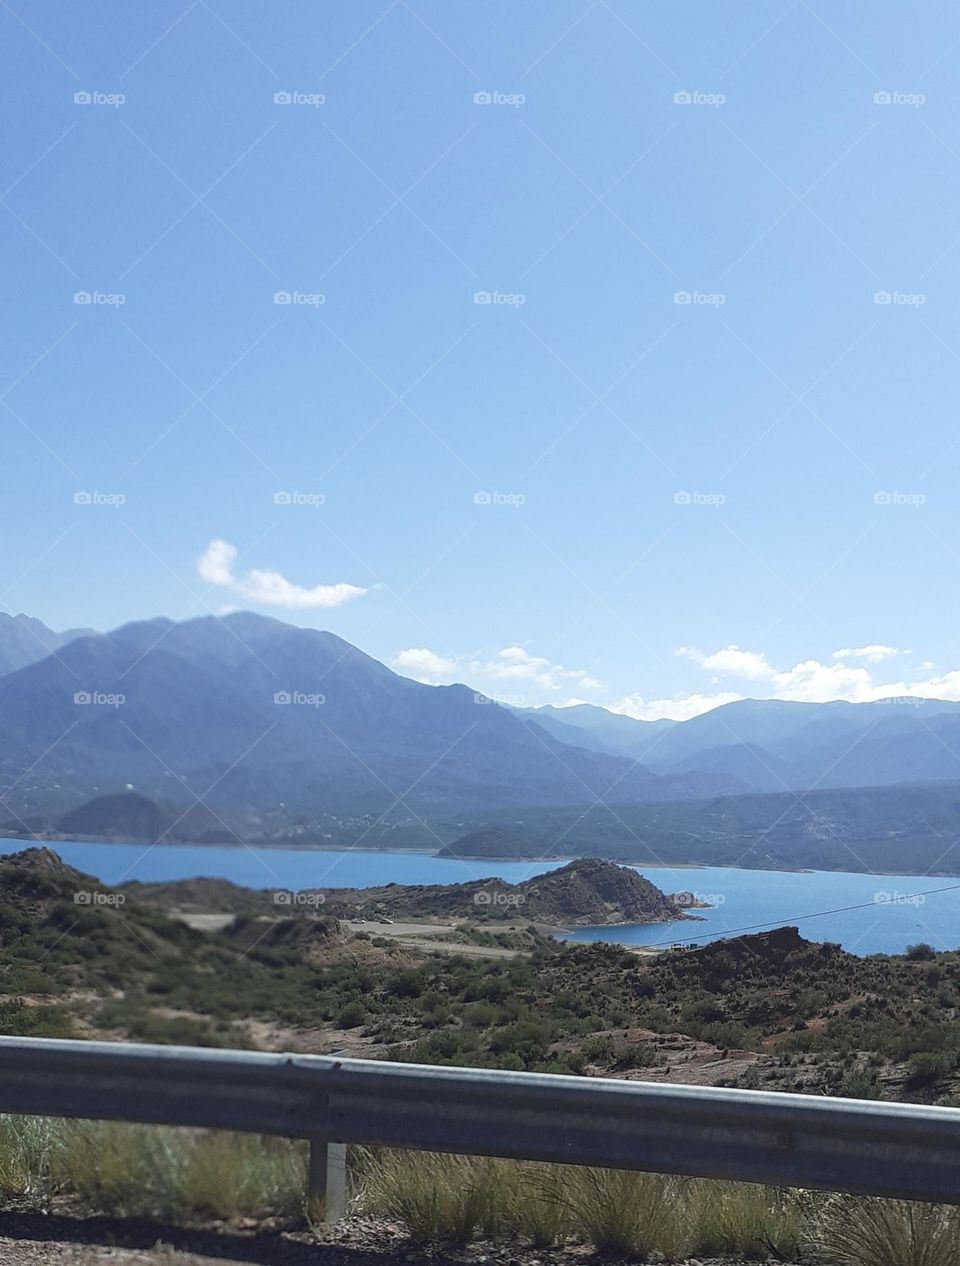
854, 1232
747, 1220
622, 1213
439, 1197
27, 1145
151, 1171
227, 1173
536, 1207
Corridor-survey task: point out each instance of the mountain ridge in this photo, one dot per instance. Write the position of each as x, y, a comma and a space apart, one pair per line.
247, 712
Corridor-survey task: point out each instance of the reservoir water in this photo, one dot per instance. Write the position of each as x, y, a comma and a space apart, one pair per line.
866, 914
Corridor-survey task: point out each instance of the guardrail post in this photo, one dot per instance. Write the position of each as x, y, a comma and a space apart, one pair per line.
327, 1177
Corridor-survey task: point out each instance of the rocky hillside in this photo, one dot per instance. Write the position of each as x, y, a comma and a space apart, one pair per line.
586, 891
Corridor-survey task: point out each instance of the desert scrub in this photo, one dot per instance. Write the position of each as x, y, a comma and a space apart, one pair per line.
854, 1232
27, 1145
180, 1174
438, 1197
622, 1213
152, 1171
746, 1219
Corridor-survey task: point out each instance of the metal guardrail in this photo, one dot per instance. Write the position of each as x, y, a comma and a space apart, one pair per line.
867, 1148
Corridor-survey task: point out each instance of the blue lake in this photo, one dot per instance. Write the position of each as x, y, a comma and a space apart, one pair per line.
889, 914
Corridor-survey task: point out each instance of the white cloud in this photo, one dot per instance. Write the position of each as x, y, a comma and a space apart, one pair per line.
267, 588
874, 654
732, 662
425, 666
811, 681
680, 709
513, 664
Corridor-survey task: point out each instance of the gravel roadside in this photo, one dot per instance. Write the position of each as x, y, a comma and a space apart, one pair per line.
50, 1239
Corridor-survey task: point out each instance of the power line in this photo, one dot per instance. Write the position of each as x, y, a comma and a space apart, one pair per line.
819, 914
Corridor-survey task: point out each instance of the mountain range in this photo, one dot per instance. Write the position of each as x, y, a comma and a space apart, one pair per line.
775, 744
273, 726
251, 714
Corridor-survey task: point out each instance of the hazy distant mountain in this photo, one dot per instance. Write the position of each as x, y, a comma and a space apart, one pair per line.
772, 744
24, 640
587, 725
249, 712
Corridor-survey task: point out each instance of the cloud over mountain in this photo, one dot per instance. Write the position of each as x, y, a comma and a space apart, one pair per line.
268, 588
512, 664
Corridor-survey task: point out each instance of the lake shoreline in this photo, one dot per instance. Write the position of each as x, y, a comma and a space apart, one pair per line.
865, 913
532, 860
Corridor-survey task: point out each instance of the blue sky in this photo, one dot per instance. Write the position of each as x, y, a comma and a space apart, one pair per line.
711, 402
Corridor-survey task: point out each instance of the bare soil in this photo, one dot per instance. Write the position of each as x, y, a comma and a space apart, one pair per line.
32, 1239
